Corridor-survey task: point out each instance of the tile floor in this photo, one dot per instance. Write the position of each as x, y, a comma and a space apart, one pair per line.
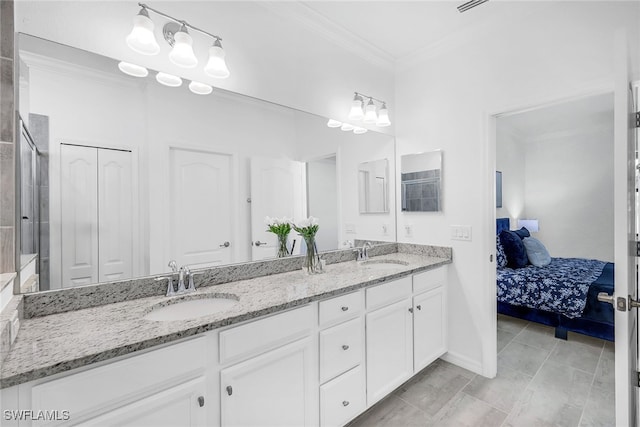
541, 381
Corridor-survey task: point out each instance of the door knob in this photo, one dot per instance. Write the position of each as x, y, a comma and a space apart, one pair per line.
259, 243
229, 390
411, 310
201, 401
619, 303
225, 245
419, 307
345, 347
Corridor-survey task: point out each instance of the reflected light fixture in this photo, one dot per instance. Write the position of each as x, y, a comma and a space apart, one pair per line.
346, 127
334, 123
200, 88
369, 115
133, 69
142, 40
358, 130
168, 79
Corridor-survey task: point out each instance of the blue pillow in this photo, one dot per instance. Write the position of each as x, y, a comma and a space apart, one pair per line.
536, 252
522, 233
501, 257
514, 249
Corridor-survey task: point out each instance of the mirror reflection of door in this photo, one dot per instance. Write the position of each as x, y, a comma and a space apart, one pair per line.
322, 203
277, 190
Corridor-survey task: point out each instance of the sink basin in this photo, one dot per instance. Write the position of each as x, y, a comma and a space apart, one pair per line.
185, 309
383, 264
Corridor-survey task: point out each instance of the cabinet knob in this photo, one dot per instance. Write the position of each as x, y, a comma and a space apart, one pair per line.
411, 310
229, 390
345, 403
345, 308
345, 347
201, 401
419, 307
225, 245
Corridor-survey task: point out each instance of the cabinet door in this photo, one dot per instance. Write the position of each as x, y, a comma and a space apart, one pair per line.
182, 405
428, 327
389, 349
274, 389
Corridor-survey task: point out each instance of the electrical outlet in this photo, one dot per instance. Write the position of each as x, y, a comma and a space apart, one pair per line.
350, 228
408, 230
385, 230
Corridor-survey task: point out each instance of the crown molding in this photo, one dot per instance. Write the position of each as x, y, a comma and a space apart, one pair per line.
319, 24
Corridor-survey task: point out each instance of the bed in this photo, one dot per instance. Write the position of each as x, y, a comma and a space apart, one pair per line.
562, 294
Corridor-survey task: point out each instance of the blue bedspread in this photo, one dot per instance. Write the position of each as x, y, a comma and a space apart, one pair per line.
560, 287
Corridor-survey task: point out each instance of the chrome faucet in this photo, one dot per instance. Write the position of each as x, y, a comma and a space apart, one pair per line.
362, 253
183, 274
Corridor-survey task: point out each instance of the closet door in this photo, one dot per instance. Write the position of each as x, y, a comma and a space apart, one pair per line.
115, 245
79, 213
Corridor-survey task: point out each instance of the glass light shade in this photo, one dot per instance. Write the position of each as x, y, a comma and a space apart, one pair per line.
200, 88
168, 79
334, 123
182, 53
217, 66
356, 112
133, 69
141, 38
383, 117
370, 115
358, 130
346, 127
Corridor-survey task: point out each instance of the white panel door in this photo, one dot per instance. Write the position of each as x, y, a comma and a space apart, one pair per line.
200, 204
389, 349
278, 189
274, 389
626, 322
79, 214
115, 215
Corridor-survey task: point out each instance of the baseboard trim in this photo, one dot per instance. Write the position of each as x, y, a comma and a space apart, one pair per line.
463, 362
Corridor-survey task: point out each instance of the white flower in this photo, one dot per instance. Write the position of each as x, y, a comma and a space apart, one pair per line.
268, 220
303, 223
313, 220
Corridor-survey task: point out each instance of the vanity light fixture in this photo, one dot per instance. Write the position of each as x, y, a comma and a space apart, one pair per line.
347, 127
133, 69
142, 40
358, 130
369, 115
200, 88
168, 79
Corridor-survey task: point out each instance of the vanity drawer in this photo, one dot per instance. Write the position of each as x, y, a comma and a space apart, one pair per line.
340, 308
343, 398
264, 334
428, 280
341, 348
93, 390
388, 293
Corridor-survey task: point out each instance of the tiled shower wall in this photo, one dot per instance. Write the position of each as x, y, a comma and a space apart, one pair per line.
7, 139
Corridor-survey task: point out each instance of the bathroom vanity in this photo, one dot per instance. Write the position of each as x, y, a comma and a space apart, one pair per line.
294, 350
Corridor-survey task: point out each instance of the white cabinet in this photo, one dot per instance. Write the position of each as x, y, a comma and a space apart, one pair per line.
273, 389
389, 348
182, 405
429, 340
343, 398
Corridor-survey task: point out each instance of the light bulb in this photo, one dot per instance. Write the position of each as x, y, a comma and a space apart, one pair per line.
383, 116
168, 79
370, 115
334, 123
217, 66
346, 127
141, 38
358, 130
133, 69
356, 112
200, 88
182, 53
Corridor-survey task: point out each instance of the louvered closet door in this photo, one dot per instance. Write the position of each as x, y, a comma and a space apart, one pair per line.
79, 214
115, 244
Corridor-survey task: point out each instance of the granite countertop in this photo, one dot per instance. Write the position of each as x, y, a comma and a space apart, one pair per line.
59, 342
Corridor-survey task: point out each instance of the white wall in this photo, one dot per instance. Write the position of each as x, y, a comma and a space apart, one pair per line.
445, 99
271, 54
510, 160
569, 189
322, 194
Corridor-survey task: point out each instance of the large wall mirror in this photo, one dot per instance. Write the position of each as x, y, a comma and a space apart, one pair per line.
421, 182
131, 174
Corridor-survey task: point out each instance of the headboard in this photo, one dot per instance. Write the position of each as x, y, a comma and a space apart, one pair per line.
502, 224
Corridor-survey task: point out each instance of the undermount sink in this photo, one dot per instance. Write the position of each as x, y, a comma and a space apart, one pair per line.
185, 309
383, 264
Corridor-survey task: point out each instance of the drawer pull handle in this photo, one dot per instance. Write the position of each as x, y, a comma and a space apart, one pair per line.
201, 401
345, 403
411, 310
345, 347
345, 308
419, 307
229, 390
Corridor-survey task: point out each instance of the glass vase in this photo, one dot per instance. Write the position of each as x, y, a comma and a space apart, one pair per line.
282, 246
311, 262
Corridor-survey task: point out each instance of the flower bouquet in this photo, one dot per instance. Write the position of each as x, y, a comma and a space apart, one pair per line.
281, 228
308, 228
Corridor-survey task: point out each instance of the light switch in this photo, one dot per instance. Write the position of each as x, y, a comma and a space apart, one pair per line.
385, 229
350, 228
461, 232
408, 230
